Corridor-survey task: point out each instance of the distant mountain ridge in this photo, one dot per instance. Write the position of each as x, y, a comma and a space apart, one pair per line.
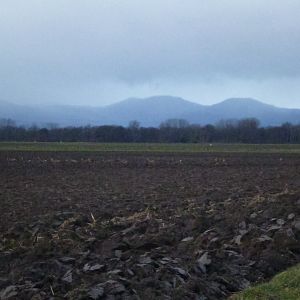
149, 112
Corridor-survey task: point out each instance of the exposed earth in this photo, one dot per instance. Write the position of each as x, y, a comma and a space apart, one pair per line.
145, 226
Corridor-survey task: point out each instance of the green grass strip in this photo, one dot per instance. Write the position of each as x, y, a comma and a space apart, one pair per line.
148, 147
284, 286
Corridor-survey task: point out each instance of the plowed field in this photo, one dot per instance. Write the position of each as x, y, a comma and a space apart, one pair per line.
145, 226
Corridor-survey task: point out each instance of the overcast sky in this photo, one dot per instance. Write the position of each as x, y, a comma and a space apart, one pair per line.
96, 52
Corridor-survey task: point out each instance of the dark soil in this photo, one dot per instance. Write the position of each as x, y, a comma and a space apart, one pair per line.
145, 226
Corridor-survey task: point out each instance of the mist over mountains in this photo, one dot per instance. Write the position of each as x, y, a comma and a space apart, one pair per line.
149, 112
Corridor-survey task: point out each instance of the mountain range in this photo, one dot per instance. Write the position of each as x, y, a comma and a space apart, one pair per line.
149, 112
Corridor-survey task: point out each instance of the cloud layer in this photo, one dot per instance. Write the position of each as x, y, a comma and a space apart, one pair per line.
96, 52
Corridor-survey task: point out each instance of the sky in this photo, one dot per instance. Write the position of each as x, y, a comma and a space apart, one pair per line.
97, 52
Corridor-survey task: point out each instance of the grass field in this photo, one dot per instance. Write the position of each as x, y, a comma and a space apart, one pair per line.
153, 147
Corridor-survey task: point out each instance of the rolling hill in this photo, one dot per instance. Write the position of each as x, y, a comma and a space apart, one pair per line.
149, 112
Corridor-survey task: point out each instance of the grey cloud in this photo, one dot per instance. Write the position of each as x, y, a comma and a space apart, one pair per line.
65, 45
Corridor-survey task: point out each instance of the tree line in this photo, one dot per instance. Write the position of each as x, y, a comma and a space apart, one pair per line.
170, 131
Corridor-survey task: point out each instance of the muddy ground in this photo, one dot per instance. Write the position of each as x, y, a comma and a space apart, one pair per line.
145, 226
